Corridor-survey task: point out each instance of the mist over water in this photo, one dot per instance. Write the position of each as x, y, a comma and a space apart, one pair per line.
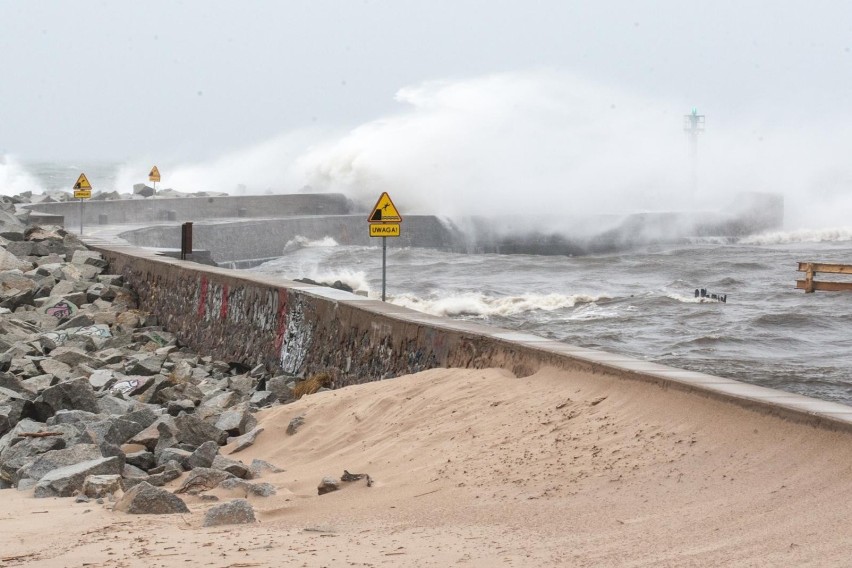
540, 144
545, 143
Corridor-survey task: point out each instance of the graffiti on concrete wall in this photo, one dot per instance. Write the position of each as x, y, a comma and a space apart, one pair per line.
296, 339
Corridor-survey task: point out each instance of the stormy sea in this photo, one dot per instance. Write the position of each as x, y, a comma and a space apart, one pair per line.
640, 302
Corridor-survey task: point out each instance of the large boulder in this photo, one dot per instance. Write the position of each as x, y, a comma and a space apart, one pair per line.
194, 431
76, 394
202, 479
145, 499
55, 459
237, 512
66, 481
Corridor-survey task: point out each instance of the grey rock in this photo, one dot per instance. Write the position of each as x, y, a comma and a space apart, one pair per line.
242, 384
144, 366
102, 379
114, 405
56, 368
262, 398
98, 486
202, 479
74, 357
173, 454
150, 436
203, 456
236, 421
75, 394
54, 459
246, 440
143, 460
20, 453
13, 383
194, 431
90, 258
145, 499
39, 383
295, 424
73, 416
165, 473
130, 471
281, 387
237, 512
175, 407
65, 481
256, 489
327, 485
234, 467
259, 467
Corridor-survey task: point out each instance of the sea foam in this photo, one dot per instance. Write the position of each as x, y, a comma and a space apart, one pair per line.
481, 305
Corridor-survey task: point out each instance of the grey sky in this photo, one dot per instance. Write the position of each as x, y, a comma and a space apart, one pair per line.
115, 80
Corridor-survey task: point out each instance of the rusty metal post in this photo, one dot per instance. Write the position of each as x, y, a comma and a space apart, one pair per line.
185, 240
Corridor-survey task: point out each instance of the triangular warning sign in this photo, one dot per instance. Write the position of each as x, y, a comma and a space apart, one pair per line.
82, 182
154, 175
384, 211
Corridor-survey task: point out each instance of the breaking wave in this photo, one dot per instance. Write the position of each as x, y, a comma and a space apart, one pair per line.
834, 235
299, 242
14, 179
480, 305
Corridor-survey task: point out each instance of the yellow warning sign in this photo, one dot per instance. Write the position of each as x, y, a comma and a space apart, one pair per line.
384, 212
384, 229
154, 175
83, 183
82, 193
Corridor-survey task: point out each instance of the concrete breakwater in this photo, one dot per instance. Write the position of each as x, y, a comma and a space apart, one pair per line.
302, 329
193, 208
259, 239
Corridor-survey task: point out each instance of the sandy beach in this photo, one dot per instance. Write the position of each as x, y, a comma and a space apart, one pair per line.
480, 468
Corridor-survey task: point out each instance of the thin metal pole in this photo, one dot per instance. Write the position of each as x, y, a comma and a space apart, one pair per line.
384, 264
81, 215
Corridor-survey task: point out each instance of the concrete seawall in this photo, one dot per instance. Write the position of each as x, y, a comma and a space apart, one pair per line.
266, 238
192, 208
298, 328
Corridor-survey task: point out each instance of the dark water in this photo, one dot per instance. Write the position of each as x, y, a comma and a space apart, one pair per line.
639, 303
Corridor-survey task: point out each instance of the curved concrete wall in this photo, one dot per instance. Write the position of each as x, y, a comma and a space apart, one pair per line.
266, 238
298, 328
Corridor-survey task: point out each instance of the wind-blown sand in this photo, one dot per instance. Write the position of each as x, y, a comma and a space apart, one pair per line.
479, 468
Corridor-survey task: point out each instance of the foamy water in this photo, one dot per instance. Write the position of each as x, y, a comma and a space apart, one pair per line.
640, 303
481, 305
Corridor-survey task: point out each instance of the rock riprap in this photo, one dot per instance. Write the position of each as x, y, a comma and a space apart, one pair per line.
83, 372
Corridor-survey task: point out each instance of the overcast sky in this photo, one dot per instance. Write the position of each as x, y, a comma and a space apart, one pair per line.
195, 79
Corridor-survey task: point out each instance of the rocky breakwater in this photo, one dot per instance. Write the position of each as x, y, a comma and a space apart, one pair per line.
98, 400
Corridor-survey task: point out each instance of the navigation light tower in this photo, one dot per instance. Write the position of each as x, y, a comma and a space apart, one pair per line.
693, 125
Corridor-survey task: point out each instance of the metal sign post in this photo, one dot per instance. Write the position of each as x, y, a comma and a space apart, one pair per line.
82, 190
384, 265
154, 176
385, 221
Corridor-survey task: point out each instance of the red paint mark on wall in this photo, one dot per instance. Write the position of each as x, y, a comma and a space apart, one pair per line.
202, 301
282, 320
223, 311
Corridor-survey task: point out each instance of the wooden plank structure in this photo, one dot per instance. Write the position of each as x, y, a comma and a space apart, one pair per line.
812, 268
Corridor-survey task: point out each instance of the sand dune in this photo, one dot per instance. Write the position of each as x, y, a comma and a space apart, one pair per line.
480, 468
